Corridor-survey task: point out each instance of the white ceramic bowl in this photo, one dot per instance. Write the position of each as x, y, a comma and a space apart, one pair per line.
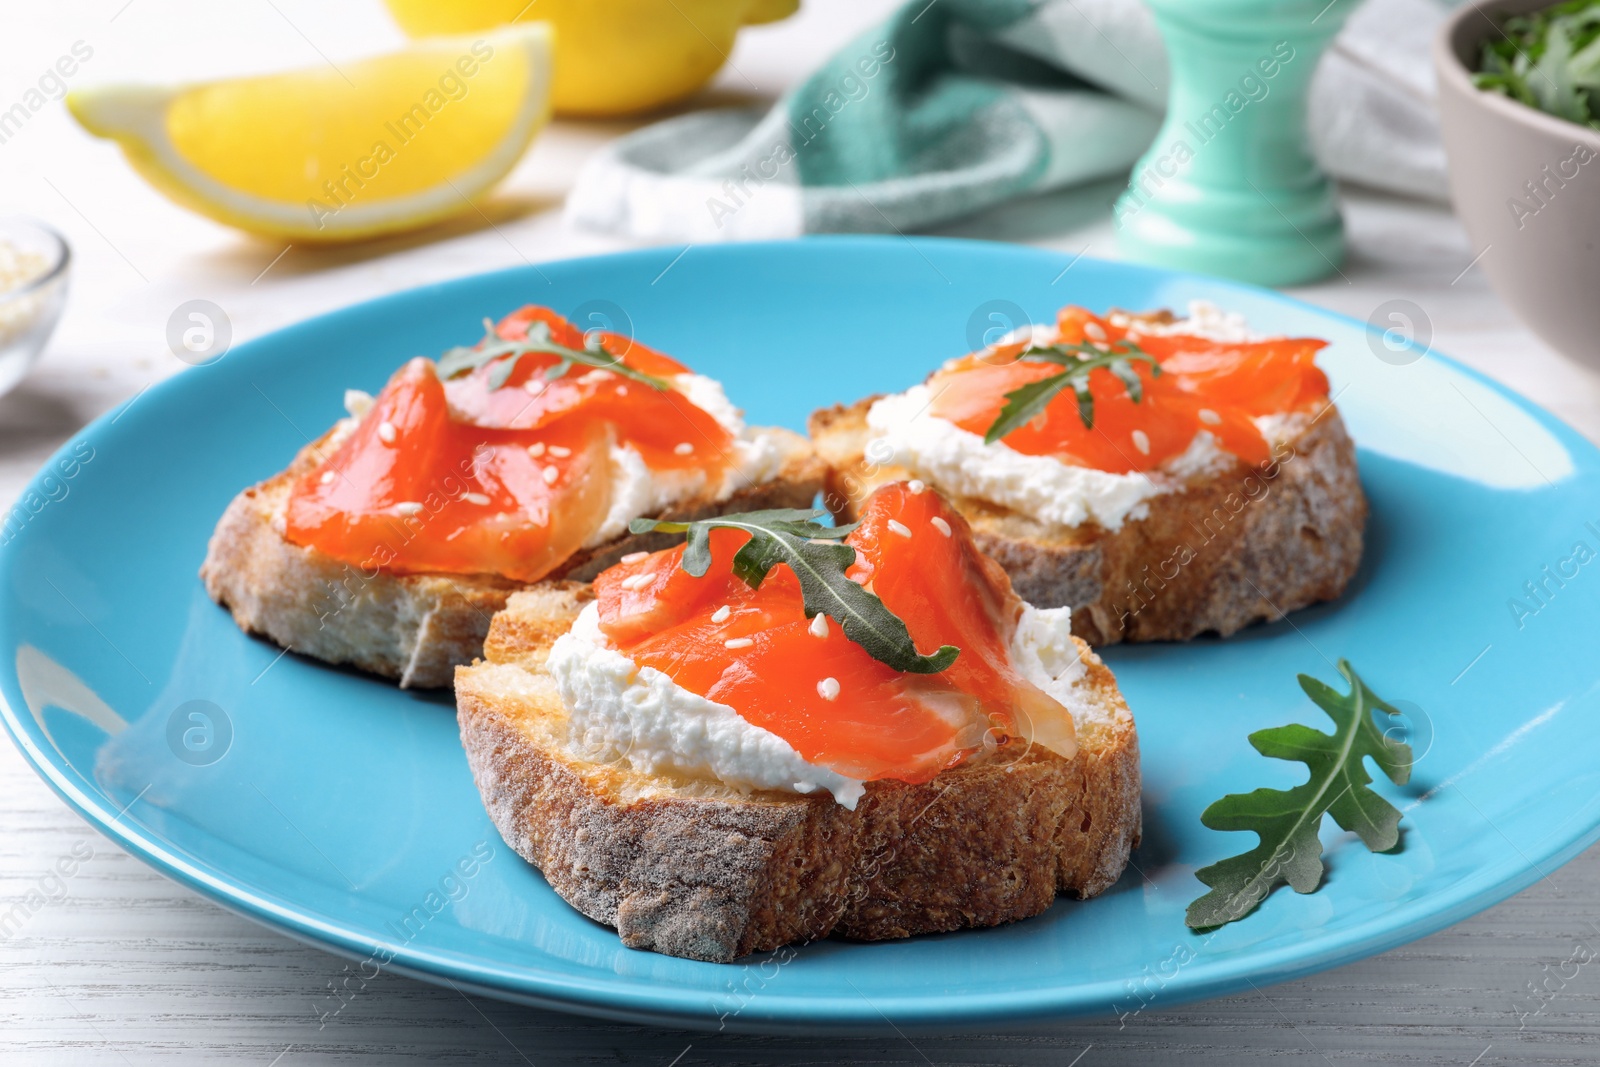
1527, 187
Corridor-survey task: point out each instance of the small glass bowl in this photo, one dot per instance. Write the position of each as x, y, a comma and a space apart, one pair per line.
34, 262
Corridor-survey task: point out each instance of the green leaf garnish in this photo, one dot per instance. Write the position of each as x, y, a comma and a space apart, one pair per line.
1288, 820
465, 359
1027, 403
1549, 60
819, 560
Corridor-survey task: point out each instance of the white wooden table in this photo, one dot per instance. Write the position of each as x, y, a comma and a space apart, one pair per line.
127, 967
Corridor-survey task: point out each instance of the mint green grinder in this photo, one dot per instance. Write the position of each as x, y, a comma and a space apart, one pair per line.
1230, 187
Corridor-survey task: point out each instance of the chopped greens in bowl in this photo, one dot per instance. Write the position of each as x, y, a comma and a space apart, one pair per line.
1549, 60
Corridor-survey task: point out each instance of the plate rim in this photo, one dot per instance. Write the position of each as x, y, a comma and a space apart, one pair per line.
635, 999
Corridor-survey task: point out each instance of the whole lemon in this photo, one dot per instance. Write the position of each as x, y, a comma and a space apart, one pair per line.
613, 57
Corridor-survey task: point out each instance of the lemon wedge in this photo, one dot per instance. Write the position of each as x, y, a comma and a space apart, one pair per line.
338, 153
613, 57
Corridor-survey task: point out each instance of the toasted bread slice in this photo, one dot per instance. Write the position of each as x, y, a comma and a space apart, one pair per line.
698, 869
1229, 549
414, 628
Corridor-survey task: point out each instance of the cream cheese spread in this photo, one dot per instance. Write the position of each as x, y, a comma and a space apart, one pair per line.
1205, 320
621, 713
637, 490
904, 432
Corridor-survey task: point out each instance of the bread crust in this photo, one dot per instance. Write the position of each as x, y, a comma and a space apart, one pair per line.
1235, 547
702, 871
413, 628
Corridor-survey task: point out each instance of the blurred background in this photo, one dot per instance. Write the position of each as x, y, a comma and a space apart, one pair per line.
139, 256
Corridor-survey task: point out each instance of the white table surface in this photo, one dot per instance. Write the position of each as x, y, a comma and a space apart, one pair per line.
130, 968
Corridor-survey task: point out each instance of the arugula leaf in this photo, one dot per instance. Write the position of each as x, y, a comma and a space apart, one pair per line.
1287, 821
465, 359
819, 560
1027, 403
1549, 60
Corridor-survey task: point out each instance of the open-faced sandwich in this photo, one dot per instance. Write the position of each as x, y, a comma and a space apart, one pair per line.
780, 730
391, 541
1165, 477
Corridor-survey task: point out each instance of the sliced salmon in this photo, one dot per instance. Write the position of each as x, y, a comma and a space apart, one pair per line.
755, 651
1205, 384
663, 425
411, 491
458, 478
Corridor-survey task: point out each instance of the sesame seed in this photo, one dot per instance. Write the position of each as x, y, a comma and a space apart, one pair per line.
683, 448
721, 614
559, 452
327, 478
386, 432
1141, 441
1093, 331
550, 475
819, 625
636, 581
940, 525
738, 642
899, 527
357, 402
828, 688
916, 485
635, 557
408, 507
1209, 417
475, 498
536, 449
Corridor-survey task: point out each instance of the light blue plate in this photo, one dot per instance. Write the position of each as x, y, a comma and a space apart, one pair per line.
340, 810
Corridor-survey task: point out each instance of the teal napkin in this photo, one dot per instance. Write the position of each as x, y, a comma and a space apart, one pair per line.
952, 106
